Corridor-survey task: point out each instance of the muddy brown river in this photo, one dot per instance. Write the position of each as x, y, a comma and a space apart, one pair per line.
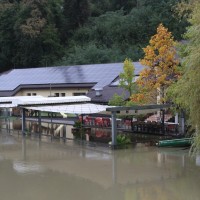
33, 168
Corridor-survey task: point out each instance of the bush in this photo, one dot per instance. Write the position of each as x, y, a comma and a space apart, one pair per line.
123, 139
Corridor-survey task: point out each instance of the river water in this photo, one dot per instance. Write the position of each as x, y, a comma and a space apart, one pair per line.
44, 169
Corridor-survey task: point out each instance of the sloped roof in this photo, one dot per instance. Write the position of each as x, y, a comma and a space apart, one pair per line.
97, 75
107, 94
39, 100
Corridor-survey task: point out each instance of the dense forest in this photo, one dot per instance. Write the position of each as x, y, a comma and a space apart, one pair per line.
35, 33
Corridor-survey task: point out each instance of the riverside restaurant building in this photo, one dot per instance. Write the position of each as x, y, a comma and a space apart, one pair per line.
97, 81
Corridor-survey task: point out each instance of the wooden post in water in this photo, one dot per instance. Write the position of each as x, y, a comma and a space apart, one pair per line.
176, 118
182, 122
163, 121
51, 125
114, 129
6, 118
39, 123
23, 121
181, 128
64, 132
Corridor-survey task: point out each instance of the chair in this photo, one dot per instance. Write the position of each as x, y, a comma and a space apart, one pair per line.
98, 121
106, 122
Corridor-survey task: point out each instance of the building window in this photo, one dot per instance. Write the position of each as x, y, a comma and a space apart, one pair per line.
33, 94
28, 94
62, 94
56, 94
79, 93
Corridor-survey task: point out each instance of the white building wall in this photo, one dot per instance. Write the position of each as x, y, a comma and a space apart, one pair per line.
52, 92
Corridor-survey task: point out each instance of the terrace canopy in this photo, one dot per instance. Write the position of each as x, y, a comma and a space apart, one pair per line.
75, 105
86, 108
39, 100
132, 109
89, 108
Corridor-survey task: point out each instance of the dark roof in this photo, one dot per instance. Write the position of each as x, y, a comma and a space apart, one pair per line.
99, 75
107, 94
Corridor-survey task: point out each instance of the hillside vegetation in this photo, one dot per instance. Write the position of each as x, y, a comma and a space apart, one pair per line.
66, 32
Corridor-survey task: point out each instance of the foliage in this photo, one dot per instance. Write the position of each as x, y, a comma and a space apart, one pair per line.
7, 35
89, 54
78, 130
122, 33
99, 7
29, 32
162, 64
130, 103
34, 20
76, 13
123, 139
44, 33
77, 124
138, 98
127, 77
117, 100
184, 8
186, 92
195, 147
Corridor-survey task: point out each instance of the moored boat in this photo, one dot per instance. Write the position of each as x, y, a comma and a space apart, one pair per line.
182, 142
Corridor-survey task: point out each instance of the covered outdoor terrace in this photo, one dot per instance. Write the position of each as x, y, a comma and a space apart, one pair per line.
80, 105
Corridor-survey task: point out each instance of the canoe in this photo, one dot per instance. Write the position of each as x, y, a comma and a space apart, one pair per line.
182, 142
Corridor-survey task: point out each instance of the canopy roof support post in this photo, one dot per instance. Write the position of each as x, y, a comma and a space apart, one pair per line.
23, 121
176, 118
163, 121
6, 119
6, 114
51, 126
64, 132
182, 122
114, 129
39, 123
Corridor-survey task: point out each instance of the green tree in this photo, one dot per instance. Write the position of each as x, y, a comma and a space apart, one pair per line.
99, 7
90, 54
32, 38
76, 12
35, 20
186, 92
126, 31
8, 48
26, 27
127, 77
126, 5
117, 100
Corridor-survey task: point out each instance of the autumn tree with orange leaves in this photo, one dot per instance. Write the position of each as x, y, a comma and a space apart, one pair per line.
161, 67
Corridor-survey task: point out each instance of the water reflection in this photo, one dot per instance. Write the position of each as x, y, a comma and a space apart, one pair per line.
55, 130
24, 167
40, 168
198, 160
47, 128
